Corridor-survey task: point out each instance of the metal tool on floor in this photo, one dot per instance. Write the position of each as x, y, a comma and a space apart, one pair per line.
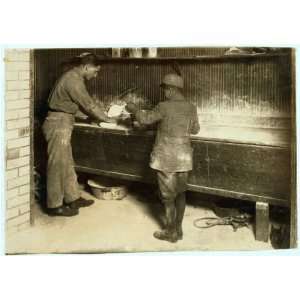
236, 222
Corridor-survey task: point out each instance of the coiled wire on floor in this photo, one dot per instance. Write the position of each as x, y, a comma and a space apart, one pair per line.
236, 222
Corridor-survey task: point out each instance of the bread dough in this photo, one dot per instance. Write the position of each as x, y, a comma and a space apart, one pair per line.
116, 110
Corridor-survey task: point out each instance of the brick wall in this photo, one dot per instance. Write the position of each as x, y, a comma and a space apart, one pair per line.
17, 134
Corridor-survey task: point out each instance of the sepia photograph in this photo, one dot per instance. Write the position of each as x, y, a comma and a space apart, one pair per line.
150, 149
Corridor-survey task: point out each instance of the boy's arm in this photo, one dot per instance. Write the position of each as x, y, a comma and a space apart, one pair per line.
146, 117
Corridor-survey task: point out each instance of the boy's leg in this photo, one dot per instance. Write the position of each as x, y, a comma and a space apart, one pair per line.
166, 184
180, 202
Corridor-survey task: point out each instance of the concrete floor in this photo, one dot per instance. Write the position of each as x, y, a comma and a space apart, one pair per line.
125, 226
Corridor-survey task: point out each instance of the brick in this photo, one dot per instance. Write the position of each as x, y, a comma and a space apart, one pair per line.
18, 200
18, 85
11, 95
20, 142
24, 75
17, 114
17, 66
12, 134
11, 194
13, 124
17, 104
24, 85
11, 115
12, 75
24, 131
16, 163
11, 55
24, 198
25, 189
12, 230
18, 220
24, 151
12, 153
25, 94
23, 113
12, 174
24, 170
24, 208
19, 181
24, 55
13, 85
24, 226
12, 213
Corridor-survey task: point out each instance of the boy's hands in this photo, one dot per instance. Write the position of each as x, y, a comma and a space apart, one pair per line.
131, 107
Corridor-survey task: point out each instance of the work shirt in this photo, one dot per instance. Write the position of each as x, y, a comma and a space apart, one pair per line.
177, 119
70, 94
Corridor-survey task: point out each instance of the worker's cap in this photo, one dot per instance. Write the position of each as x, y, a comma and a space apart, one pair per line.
172, 80
84, 54
89, 58
128, 91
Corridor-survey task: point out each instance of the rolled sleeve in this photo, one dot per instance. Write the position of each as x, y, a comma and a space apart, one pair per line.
79, 94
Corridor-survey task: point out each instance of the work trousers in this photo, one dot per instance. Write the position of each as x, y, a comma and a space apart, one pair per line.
172, 187
62, 185
171, 184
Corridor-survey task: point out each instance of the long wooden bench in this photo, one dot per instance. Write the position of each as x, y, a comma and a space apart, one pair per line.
223, 165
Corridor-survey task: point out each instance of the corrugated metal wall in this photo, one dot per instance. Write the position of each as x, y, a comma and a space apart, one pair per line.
245, 86
191, 51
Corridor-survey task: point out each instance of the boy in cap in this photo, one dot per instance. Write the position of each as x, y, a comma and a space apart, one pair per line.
172, 152
67, 97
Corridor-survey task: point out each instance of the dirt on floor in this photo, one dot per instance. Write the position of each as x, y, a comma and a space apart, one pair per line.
127, 225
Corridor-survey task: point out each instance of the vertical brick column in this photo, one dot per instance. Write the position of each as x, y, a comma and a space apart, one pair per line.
17, 135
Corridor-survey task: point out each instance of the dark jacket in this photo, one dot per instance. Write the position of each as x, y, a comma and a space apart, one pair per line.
172, 150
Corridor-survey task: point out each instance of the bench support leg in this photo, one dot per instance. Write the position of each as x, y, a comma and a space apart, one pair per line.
262, 221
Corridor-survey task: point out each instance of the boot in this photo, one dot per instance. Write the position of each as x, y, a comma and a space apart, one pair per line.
80, 202
170, 233
166, 235
178, 228
62, 211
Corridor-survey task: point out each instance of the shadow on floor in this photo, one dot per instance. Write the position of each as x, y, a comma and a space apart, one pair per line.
145, 197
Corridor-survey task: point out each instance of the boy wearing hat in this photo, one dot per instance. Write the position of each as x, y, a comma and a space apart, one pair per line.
67, 97
172, 153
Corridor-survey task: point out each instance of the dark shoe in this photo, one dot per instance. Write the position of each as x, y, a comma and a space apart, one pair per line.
166, 235
62, 211
80, 203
